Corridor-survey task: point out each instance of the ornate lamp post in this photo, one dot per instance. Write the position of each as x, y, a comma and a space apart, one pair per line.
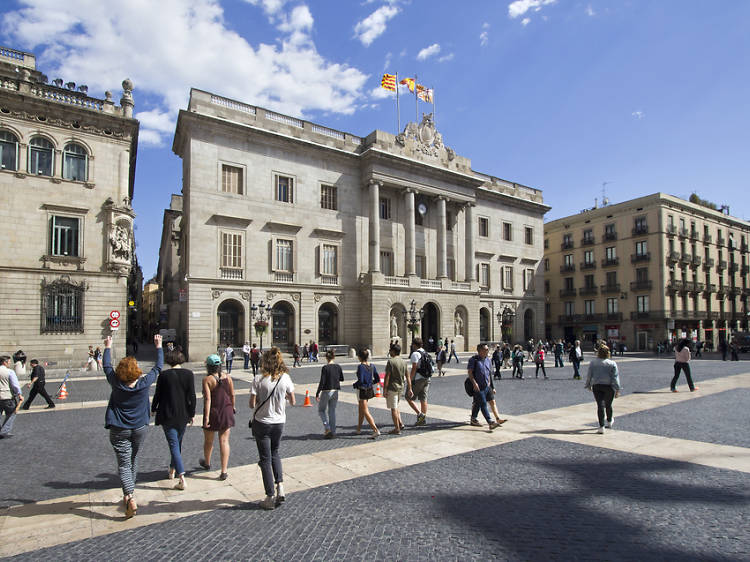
414, 319
505, 319
261, 322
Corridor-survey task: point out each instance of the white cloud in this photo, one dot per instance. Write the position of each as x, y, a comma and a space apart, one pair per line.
446, 58
590, 11
387, 62
168, 47
374, 25
427, 52
638, 115
270, 7
525, 21
379, 93
484, 37
519, 8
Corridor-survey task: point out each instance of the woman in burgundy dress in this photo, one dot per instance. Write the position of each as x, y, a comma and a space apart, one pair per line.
218, 413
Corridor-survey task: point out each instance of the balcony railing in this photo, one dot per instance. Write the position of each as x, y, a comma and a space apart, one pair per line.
734, 267
743, 247
613, 316
697, 260
640, 229
707, 238
675, 285
567, 268
588, 265
722, 265
329, 280
699, 287
610, 235
436, 284
567, 292
671, 229
230, 273
566, 318
650, 315
637, 258
587, 241
683, 232
280, 277
641, 285
710, 288
584, 291
610, 289
708, 264
744, 270
721, 241
396, 281
673, 256
608, 262
567, 245
686, 258
695, 235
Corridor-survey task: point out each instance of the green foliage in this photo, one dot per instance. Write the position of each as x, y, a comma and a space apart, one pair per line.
694, 198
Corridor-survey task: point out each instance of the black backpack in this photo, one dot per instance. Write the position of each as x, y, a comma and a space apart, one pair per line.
426, 366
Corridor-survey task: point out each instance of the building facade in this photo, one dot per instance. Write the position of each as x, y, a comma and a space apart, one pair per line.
66, 183
647, 270
335, 235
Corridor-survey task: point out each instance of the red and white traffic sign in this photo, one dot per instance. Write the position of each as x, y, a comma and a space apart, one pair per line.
114, 323
115, 315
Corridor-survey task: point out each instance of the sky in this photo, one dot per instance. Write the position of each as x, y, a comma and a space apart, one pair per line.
576, 98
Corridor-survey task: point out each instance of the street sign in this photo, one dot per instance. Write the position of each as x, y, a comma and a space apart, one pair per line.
114, 323
114, 315
131, 303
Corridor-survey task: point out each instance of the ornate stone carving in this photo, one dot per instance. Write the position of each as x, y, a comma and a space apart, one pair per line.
215, 293
317, 297
119, 239
295, 297
338, 299
458, 324
245, 295
425, 138
270, 296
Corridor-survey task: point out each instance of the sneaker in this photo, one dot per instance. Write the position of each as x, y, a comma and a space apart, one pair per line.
421, 420
50, 406
600, 430
475, 422
268, 503
501, 421
223, 476
494, 425
674, 390
181, 485
375, 434
327, 434
204, 464
280, 496
609, 423
694, 389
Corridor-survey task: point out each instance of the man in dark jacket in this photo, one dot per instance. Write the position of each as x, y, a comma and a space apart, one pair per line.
37, 386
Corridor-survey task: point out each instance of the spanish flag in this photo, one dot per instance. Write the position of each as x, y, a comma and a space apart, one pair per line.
409, 83
388, 82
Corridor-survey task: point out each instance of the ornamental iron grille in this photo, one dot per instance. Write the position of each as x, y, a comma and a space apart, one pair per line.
62, 306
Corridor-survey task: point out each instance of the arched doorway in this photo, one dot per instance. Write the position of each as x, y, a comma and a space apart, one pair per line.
231, 323
484, 325
528, 324
397, 325
282, 325
328, 324
430, 326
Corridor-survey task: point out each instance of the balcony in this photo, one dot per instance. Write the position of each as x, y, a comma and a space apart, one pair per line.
329, 280
675, 285
567, 292
608, 262
722, 291
671, 229
585, 291
689, 286
697, 261
436, 284
566, 318
587, 241
643, 315
744, 270
396, 281
683, 232
567, 268
686, 258
734, 291
613, 317
638, 258
587, 265
640, 229
598, 317
699, 287
230, 273
708, 264
734, 267
567, 245
721, 266
695, 235
710, 288
743, 246
641, 285
610, 289
721, 241
284, 277
713, 315
608, 236
673, 257
707, 238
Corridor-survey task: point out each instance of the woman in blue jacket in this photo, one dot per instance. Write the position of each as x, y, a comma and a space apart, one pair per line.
127, 414
367, 376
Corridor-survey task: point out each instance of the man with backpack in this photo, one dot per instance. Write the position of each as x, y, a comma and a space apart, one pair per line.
418, 380
480, 373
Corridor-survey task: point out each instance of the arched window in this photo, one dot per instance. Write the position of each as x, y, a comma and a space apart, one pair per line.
41, 154
8, 151
75, 162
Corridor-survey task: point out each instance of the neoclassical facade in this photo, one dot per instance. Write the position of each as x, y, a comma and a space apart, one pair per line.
66, 183
337, 234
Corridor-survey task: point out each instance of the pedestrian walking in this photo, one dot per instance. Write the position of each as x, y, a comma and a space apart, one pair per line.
393, 385
497, 361
492, 403
418, 380
91, 361
539, 360
682, 363
327, 394
174, 406
315, 350
723, 347
246, 354
698, 349
603, 379
295, 356
440, 358
11, 397
98, 358
453, 352
576, 356
127, 414
367, 376
734, 350
306, 353
218, 413
37, 386
480, 375
268, 397
558, 351
254, 359
229, 357
506, 356
518, 358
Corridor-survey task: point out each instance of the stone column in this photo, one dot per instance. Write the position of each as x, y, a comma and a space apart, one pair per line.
124, 177
411, 241
469, 242
374, 226
442, 264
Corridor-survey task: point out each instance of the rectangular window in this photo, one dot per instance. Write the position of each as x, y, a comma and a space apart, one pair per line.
529, 235
284, 255
62, 307
611, 253
588, 256
385, 208
328, 260
421, 266
568, 283
641, 274
588, 281
329, 197
484, 275
641, 248
567, 240
570, 308
609, 230
451, 269
546, 264
449, 221
588, 307
386, 262
641, 302
528, 279
568, 259
612, 306
64, 236
508, 278
231, 250
484, 227
231, 179
507, 231
611, 278
284, 188
588, 236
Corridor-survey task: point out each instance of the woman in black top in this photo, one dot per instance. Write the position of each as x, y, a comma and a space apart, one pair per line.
327, 394
174, 404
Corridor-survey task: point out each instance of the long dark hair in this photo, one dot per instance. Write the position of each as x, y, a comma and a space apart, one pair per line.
684, 342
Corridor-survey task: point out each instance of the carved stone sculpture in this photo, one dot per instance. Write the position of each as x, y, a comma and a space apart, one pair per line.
119, 239
394, 326
458, 323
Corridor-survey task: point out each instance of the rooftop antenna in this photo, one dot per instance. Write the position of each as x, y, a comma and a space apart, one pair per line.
605, 199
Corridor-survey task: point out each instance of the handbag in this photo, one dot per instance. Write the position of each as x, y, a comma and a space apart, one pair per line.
250, 421
469, 387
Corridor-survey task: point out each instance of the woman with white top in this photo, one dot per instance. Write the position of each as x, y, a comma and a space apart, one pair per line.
604, 381
268, 396
681, 363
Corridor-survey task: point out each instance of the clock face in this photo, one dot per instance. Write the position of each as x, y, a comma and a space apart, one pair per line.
422, 208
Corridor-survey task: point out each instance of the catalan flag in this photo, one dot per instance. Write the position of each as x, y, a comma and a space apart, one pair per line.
409, 82
388, 82
425, 94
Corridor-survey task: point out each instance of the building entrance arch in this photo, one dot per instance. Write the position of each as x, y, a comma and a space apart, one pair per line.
282, 325
484, 325
430, 325
231, 323
328, 324
528, 325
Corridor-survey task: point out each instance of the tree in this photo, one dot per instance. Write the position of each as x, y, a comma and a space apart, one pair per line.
694, 198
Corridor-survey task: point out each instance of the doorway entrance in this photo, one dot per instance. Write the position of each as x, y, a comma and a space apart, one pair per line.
328, 325
231, 322
430, 326
282, 326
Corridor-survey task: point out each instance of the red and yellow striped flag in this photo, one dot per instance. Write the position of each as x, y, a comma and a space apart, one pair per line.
409, 83
388, 82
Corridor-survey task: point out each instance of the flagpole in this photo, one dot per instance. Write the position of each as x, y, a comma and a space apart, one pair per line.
398, 109
434, 111
416, 100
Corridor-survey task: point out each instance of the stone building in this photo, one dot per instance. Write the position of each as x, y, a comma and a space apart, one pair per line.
66, 184
336, 235
649, 269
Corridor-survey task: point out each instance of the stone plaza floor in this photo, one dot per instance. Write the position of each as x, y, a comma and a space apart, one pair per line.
671, 481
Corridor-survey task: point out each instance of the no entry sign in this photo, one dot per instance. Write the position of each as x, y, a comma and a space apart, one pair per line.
115, 315
114, 323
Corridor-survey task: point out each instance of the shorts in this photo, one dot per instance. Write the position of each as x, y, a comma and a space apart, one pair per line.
366, 393
391, 399
419, 388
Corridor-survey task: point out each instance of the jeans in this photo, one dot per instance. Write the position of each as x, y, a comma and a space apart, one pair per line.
174, 440
576, 366
255, 367
7, 407
681, 367
558, 361
480, 402
126, 443
328, 399
247, 360
229, 365
538, 365
603, 394
267, 438
453, 354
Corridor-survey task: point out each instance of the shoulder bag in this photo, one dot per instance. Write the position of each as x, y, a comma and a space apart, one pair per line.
250, 421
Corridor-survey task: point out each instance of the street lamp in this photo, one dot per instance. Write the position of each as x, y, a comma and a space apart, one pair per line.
261, 322
415, 317
505, 318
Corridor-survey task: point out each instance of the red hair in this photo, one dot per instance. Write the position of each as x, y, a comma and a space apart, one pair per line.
127, 370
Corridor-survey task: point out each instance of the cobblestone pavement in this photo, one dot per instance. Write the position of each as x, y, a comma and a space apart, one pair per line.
533, 498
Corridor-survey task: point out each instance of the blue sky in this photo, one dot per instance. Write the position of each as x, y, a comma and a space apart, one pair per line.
560, 95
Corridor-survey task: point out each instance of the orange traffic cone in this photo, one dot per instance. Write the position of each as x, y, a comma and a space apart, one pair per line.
62, 394
378, 394
307, 403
